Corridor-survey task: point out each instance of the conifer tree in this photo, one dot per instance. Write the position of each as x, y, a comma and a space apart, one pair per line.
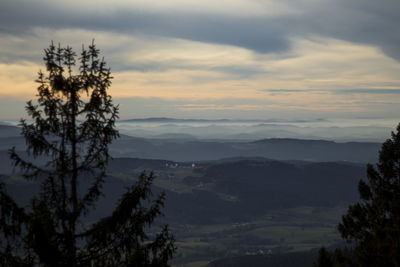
73, 122
374, 223
372, 226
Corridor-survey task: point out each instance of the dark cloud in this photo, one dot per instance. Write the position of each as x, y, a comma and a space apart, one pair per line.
257, 34
362, 21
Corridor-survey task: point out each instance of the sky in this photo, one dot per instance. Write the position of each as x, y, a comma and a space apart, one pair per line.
237, 59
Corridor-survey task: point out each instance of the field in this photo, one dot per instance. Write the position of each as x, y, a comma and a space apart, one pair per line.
290, 230
278, 230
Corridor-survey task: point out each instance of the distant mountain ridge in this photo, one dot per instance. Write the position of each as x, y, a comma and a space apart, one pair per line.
164, 119
278, 149
183, 147
9, 131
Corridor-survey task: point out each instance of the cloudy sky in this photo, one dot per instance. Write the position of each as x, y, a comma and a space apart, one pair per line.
259, 59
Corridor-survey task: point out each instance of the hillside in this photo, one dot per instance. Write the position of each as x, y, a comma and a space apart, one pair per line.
235, 207
241, 204
185, 148
279, 149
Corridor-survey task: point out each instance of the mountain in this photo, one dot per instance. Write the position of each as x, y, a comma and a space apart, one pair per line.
235, 206
164, 119
250, 130
172, 120
279, 149
9, 131
199, 150
185, 147
230, 200
236, 190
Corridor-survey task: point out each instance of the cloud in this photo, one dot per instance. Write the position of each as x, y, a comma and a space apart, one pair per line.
331, 55
266, 27
274, 91
192, 107
172, 69
334, 91
368, 91
17, 80
253, 33
248, 108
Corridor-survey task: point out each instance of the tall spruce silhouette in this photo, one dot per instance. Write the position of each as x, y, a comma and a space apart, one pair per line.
73, 122
372, 225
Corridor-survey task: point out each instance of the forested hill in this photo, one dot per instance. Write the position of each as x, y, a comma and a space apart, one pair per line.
186, 149
235, 190
225, 203
279, 149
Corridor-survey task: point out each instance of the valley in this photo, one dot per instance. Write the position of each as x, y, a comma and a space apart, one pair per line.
242, 205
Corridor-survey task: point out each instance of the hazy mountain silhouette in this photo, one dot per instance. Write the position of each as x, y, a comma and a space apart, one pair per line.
183, 147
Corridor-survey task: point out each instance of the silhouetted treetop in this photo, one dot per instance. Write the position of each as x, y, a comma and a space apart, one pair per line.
73, 123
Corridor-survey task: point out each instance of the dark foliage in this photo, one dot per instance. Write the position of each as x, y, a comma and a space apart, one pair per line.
73, 124
372, 225
324, 258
